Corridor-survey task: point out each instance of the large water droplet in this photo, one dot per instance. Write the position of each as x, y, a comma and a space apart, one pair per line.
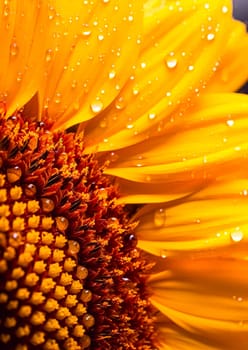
171, 62
210, 36
159, 217
151, 116
237, 235
96, 106
230, 122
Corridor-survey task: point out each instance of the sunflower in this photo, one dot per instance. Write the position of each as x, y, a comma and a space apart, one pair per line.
123, 204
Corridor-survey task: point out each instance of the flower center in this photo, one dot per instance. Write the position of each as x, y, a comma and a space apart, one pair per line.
71, 276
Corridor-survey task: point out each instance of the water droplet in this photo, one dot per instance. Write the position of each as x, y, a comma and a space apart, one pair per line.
51, 12
120, 103
112, 74
6, 10
230, 122
48, 56
88, 320
74, 83
100, 37
73, 247
14, 174
19, 77
210, 36
130, 126
151, 116
14, 49
224, 9
103, 123
237, 236
86, 32
81, 272
62, 223
159, 217
135, 90
171, 62
96, 106
105, 1
86, 295
163, 254
143, 65
191, 67
47, 204
57, 98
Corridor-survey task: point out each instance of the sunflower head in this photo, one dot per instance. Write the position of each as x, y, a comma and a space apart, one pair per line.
71, 274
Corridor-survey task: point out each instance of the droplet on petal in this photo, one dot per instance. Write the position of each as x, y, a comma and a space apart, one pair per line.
96, 106
237, 236
159, 217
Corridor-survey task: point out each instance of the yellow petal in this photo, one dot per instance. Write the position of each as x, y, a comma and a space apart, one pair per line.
193, 225
207, 141
179, 339
181, 45
94, 45
206, 297
229, 75
23, 36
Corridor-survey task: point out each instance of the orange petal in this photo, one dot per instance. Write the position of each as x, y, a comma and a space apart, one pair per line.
23, 35
229, 75
207, 297
193, 226
181, 46
207, 141
94, 44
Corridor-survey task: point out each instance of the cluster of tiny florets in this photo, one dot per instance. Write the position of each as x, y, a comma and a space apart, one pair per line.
71, 276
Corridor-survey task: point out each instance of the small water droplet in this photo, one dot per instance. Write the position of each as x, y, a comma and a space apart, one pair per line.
159, 217
210, 36
19, 77
57, 99
6, 10
120, 103
130, 126
143, 65
112, 74
74, 83
230, 122
224, 9
151, 116
237, 236
48, 56
135, 90
105, 1
96, 106
171, 62
51, 12
100, 37
163, 254
191, 67
14, 49
103, 123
